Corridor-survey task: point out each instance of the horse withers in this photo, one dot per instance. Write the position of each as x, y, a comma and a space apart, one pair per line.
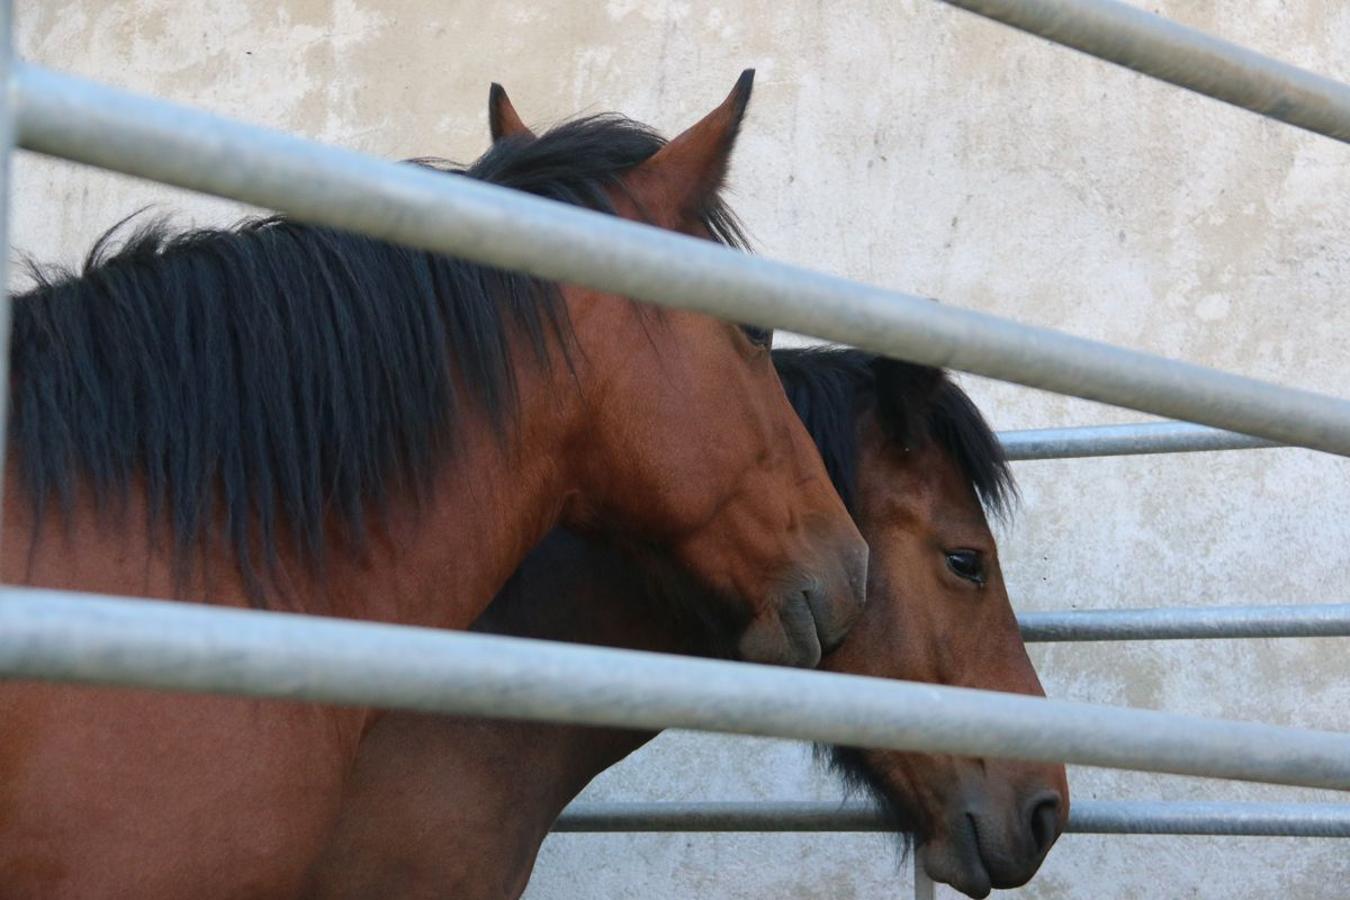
459, 807
293, 417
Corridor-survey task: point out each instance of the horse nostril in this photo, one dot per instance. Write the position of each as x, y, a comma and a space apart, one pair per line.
1044, 820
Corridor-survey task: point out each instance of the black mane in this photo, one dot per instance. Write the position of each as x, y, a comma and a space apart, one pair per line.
916, 405
278, 377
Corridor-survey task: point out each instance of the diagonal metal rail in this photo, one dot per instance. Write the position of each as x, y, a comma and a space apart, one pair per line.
1123, 440
84, 638
91, 123
1180, 55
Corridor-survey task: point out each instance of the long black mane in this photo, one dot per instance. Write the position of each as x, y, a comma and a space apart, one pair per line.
282, 378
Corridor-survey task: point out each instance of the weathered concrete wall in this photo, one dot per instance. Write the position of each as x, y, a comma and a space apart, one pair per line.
910, 145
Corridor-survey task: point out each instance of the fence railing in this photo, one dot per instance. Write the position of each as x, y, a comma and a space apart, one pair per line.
68, 637
1188, 623
1187, 57
86, 638
1323, 820
1123, 440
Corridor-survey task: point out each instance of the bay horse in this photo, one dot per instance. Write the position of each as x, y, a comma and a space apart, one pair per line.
458, 807
294, 417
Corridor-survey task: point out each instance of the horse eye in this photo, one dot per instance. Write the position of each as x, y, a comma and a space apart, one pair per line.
760, 337
967, 564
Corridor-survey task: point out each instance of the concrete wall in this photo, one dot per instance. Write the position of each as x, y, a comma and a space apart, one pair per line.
910, 145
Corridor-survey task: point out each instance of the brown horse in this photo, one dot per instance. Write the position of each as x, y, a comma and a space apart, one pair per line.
294, 417
452, 807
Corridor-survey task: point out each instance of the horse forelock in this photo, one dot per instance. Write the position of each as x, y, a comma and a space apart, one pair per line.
915, 405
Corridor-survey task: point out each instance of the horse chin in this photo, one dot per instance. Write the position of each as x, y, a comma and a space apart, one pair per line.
786, 639
947, 843
955, 861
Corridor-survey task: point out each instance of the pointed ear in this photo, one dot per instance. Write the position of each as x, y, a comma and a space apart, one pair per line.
502, 117
686, 172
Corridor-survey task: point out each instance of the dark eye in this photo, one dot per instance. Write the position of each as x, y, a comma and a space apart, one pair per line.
760, 337
967, 564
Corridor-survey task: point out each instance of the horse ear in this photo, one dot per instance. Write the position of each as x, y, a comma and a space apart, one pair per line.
503, 119
686, 172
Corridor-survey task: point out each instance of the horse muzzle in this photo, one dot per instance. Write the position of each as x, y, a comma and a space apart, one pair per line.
812, 614
982, 849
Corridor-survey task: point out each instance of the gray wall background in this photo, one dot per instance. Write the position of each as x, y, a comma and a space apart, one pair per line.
910, 145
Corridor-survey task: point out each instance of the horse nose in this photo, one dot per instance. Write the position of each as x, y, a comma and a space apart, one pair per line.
813, 605
812, 613
1042, 817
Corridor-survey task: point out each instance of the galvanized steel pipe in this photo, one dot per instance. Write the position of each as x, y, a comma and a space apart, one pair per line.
95, 124
1186, 57
1322, 820
1123, 440
1177, 623
85, 638
924, 888
1328, 820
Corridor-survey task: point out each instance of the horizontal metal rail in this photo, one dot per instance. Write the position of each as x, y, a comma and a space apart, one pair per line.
1186, 57
98, 125
1184, 623
1123, 440
84, 638
1324, 820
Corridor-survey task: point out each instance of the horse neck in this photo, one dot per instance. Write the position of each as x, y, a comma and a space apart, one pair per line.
456, 807
440, 562
485, 793
515, 810
507, 782
434, 562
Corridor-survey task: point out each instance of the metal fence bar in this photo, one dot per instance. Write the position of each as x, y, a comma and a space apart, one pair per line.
584, 817
84, 638
1184, 623
1123, 440
1326, 820
923, 885
95, 124
1186, 57
1323, 820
